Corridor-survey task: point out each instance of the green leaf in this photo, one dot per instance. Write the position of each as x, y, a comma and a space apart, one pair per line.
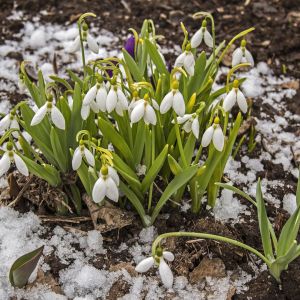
289, 233
75, 78
156, 58
23, 267
133, 67
117, 140
76, 198
174, 165
58, 151
172, 188
46, 172
139, 142
263, 223
134, 200
61, 81
298, 190
155, 168
41, 87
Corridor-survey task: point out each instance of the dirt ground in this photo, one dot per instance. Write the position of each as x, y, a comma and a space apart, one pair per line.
276, 40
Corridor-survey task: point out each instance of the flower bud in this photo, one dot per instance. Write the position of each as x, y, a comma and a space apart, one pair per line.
104, 170
85, 27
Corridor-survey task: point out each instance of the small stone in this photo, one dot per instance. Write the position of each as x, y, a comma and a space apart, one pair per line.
208, 267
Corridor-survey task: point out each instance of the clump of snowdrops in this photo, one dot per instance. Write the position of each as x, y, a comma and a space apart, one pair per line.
132, 126
278, 252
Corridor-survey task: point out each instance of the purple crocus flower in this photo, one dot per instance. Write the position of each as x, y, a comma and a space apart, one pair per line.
129, 45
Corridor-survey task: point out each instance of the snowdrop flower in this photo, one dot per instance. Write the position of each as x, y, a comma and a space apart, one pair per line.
86, 37
242, 55
9, 157
106, 185
187, 60
94, 99
173, 99
214, 133
143, 109
49, 108
80, 152
235, 95
190, 123
200, 34
10, 122
116, 100
164, 270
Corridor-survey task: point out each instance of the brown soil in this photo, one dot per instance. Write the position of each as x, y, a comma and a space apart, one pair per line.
276, 40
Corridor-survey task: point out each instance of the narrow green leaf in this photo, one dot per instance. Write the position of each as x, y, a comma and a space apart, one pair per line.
155, 168
58, 151
172, 188
133, 68
263, 222
139, 142
76, 198
23, 267
174, 165
62, 81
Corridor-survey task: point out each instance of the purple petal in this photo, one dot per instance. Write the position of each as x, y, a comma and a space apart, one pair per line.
129, 45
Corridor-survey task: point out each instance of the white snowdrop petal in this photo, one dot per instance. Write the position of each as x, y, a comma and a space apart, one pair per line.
166, 274
4, 164
90, 95
237, 56
207, 136
168, 255
242, 102
208, 39
122, 99
166, 103
99, 190
57, 118
112, 191
195, 127
94, 106
145, 265
15, 125
150, 116
180, 60
111, 100
229, 100
119, 109
92, 44
20, 164
101, 99
181, 120
5, 123
85, 111
39, 115
197, 38
249, 57
178, 104
75, 46
187, 126
114, 175
89, 157
77, 159
155, 104
189, 64
218, 139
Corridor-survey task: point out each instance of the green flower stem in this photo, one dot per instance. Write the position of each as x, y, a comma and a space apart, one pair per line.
208, 236
152, 160
179, 142
199, 152
225, 123
81, 48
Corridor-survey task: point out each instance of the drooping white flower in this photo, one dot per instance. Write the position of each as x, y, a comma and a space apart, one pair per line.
80, 152
186, 60
242, 55
10, 122
165, 272
10, 157
56, 116
214, 133
235, 96
143, 109
116, 100
106, 185
86, 38
190, 123
173, 99
201, 34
